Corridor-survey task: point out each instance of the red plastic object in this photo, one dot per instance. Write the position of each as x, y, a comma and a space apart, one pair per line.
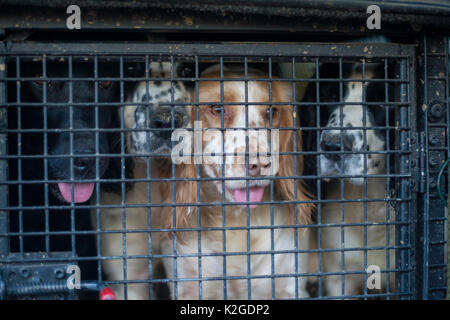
107, 294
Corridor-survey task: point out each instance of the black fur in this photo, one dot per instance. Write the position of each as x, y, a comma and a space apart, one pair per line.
83, 117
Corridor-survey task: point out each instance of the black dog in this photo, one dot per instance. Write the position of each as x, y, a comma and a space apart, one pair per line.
44, 104
69, 175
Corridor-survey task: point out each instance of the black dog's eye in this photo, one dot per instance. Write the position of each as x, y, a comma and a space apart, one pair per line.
104, 84
41, 82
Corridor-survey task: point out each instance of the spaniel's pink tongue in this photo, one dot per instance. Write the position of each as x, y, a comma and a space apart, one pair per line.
255, 194
81, 191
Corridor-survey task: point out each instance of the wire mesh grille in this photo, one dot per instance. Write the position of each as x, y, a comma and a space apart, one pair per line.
319, 201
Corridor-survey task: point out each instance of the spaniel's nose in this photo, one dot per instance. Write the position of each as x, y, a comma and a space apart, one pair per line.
254, 170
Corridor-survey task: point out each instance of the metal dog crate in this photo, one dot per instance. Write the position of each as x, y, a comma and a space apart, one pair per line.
35, 251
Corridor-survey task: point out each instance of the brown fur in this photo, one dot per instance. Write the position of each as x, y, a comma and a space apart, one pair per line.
111, 219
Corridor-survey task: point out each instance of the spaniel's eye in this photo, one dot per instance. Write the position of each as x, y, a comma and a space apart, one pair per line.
104, 84
272, 111
216, 110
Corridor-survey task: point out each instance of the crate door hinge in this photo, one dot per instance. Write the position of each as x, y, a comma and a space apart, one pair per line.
418, 165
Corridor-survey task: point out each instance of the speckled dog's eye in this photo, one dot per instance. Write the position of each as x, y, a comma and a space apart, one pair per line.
145, 98
178, 121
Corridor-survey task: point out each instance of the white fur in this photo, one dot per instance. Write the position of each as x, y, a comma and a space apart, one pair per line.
235, 257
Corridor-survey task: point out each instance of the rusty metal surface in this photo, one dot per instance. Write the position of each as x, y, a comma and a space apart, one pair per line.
279, 7
306, 15
212, 50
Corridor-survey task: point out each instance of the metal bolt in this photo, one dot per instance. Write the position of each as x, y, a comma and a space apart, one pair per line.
59, 273
436, 111
11, 275
433, 161
433, 140
432, 183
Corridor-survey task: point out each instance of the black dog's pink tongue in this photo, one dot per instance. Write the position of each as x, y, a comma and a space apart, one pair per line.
81, 191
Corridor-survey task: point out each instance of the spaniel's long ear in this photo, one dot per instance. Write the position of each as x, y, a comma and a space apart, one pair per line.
185, 192
282, 92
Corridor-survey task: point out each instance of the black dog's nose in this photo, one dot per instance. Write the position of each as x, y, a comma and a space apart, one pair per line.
82, 166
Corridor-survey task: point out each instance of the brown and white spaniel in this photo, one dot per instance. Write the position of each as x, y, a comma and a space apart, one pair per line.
237, 244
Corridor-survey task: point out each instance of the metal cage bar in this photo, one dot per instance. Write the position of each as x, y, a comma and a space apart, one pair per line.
4, 221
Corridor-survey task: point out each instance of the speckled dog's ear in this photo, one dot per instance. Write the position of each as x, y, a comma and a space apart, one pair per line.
186, 70
132, 70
